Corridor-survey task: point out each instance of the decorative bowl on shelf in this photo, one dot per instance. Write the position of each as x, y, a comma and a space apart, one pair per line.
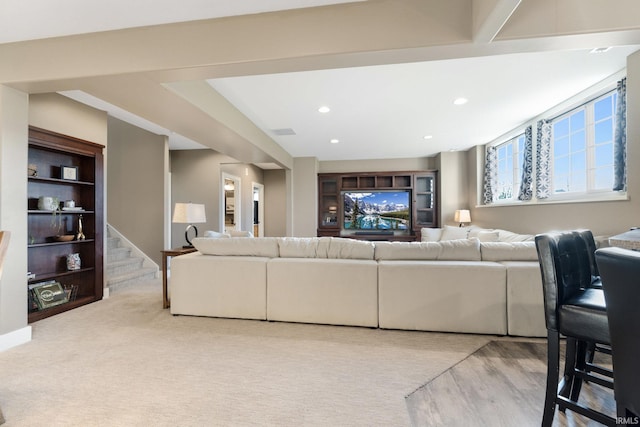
64, 238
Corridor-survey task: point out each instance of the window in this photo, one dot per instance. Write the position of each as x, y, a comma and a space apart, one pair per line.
509, 168
582, 147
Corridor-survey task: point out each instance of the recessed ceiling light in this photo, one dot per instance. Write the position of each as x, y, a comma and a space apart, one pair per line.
460, 101
600, 49
324, 109
334, 141
427, 136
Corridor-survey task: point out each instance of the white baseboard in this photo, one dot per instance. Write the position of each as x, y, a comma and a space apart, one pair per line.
15, 338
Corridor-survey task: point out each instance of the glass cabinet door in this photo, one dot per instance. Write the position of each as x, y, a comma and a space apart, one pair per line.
424, 203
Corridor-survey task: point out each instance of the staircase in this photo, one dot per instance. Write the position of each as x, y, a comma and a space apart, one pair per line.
124, 270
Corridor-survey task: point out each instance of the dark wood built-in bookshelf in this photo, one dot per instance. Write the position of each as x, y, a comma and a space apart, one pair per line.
49, 154
422, 186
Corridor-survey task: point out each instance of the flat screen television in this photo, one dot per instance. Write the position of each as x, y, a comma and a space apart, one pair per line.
376, 211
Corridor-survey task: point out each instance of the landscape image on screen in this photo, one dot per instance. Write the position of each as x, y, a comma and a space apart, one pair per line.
382, 210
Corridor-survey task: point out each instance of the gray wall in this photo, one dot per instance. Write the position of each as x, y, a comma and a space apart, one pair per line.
275, 206
136, 186
195, 177
248, 174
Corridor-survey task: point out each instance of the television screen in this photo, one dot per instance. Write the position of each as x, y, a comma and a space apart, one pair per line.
378, 210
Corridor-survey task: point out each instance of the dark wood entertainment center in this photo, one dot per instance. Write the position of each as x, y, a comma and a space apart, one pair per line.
422, 186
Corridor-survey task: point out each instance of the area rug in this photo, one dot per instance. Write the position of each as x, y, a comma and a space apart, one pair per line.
125, 361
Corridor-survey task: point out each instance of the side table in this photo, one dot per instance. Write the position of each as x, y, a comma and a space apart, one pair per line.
165, 257
627, 240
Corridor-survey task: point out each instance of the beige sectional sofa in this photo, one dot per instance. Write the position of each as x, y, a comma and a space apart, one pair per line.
462, 285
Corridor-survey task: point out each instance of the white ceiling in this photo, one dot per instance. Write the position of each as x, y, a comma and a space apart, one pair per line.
376, 111
385, 111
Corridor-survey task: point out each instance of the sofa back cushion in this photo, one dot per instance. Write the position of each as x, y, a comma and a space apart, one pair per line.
240, 246
449, 250
303, 247
509, 251
348, 249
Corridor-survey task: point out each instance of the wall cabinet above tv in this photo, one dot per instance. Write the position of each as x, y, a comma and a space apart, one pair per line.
377, 205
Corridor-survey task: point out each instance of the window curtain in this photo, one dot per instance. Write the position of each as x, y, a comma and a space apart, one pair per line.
490, 174
526, 192
620, 139
543, 157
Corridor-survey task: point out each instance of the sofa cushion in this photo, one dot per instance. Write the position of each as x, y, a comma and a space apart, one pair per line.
509, 251
303, 247
349, 249
240, 246
462, 250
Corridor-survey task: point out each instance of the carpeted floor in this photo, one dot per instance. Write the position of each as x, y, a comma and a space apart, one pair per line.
127, 362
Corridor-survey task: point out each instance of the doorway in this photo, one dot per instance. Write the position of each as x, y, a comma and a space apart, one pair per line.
230, 204
258, 209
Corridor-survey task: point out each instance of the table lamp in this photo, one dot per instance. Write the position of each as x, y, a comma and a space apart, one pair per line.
462, 216
189, 213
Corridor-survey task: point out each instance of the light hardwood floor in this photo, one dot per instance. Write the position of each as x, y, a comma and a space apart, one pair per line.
501, 384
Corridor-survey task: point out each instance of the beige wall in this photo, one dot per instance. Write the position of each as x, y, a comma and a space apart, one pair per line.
275, 206
14, 112
60, 114
305, 194
453, 185
136, 186
603, 218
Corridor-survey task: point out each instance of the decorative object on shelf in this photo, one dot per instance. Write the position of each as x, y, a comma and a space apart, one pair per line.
47, 203
73, 262
64, 238
80, 235
189, 213
32, 170
48, 294
69, 204
71, 291
461, 216
69, 172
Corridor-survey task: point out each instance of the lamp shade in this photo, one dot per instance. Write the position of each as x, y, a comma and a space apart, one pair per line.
189, 213
462, 215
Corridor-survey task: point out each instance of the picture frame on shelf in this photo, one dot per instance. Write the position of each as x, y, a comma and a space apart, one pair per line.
69, 173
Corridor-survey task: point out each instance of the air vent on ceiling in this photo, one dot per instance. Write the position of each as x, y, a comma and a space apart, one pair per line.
283, 132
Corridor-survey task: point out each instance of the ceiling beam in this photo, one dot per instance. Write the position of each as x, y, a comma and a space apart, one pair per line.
489, 16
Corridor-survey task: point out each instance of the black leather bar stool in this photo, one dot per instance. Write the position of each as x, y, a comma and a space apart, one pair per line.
577, 310
620, 270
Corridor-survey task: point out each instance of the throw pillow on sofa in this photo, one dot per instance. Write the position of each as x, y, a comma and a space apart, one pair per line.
430, 234
454, 233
